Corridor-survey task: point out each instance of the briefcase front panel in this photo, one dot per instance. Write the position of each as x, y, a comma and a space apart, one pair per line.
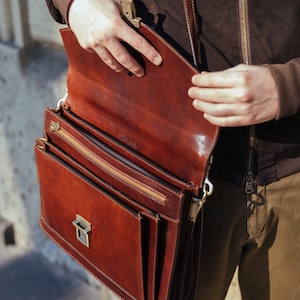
104, 246
83, 210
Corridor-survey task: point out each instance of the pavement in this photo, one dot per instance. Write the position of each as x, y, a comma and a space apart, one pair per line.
32, 267
30, 276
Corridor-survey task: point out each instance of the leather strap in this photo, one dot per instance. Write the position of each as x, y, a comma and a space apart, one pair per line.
193, 29
196, 230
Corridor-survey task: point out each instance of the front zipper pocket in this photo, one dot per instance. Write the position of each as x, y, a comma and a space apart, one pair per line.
128, 155
71, 198
105, 166
105, 163
88, 191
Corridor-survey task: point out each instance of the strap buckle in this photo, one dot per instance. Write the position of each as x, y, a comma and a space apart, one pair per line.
129, 12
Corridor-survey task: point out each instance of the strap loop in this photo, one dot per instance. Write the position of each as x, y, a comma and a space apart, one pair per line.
193, 30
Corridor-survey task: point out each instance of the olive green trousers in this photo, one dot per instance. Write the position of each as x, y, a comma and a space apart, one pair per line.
258, 234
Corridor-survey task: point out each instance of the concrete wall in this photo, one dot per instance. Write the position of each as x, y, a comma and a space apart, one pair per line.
32, 75
25, 21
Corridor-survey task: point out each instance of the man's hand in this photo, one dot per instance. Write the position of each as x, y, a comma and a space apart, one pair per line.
239, 96
99, 27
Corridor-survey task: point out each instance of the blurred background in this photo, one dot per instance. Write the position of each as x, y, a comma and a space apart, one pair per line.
33, 70
32, 75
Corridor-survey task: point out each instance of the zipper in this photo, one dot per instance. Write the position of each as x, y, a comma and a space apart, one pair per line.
55, 127
246, 59
249, 176
91, 133
244, 32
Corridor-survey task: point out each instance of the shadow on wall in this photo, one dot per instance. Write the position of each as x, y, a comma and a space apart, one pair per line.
32, 277
24, 92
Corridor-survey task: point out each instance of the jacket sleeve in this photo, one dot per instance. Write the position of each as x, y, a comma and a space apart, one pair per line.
59, 10
287, 79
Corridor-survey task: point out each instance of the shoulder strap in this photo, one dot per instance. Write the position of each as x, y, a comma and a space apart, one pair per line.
129, 11
193, 29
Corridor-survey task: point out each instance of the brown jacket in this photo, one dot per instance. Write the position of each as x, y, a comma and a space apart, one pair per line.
271, 30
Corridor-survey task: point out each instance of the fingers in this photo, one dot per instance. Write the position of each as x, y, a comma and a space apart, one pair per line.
226, 114
218, 95
223, 109
118, 58
122, 58
240, 96
98, 26
207, 80
221, 79
233, 121
139, 43
112, 52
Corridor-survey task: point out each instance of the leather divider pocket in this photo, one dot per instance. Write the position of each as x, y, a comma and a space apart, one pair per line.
135, 182
107, 253
127, 151
108, 194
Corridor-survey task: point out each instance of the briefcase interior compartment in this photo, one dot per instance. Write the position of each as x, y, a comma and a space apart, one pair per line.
117, 219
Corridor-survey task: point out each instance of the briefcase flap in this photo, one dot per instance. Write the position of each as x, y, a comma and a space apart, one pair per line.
152, 115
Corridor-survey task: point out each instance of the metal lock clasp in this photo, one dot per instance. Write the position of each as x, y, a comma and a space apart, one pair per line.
129, 11
83, 230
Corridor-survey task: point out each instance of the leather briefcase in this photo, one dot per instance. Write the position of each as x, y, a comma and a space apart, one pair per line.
122, 170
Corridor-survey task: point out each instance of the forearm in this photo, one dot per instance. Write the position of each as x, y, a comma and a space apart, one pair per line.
59, 9
287, 80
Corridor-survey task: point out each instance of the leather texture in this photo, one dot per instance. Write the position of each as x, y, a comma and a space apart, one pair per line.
127, 155
152, 115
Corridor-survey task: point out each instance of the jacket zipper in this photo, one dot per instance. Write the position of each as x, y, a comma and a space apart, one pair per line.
246, 59
249, 176
55, 127
244, 32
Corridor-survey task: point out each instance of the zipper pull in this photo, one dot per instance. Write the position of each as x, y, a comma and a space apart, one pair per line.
249, 182
54, 126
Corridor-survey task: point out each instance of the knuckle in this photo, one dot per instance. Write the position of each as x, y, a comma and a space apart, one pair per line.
99, 36
138, 42
225, 123
123, 58
92, 42
210, 95
135, 69
243, 95
218, 111
108, 60
244, 78
248, 120
246, 111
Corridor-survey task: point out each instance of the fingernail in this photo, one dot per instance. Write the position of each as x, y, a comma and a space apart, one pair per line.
157, 60
140, 74
194, 103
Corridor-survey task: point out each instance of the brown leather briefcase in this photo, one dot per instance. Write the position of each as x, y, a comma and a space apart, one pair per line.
122, 170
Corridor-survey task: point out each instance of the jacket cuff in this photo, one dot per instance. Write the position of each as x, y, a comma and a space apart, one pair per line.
59, 10
287, 80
